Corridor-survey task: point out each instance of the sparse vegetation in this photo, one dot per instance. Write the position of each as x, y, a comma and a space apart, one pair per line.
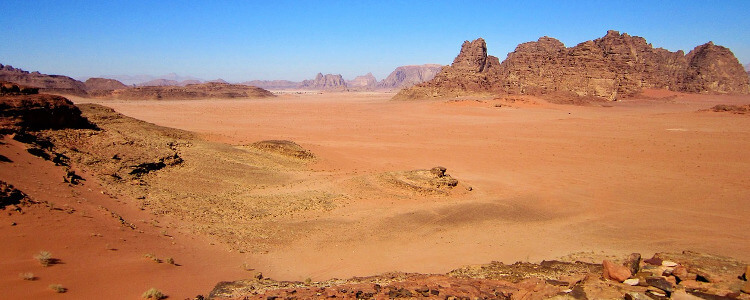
27, 276
58, 288
152, 257
153, 294
44, 258
170, 261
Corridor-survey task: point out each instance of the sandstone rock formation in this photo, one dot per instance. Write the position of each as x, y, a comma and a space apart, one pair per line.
407, 76
325, 82
609, 68
56, 84
365, 82
103, 84
37, 112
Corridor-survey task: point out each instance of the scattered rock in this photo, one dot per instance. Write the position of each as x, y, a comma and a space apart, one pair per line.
661, 283
9, 195
615, 272
636, 296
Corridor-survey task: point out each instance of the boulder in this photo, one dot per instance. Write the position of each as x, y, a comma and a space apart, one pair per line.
612, 271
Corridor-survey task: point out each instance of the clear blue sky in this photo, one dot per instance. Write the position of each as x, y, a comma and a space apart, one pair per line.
294, 40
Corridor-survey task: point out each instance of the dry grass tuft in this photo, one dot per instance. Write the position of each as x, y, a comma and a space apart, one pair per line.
27, 276
44, 258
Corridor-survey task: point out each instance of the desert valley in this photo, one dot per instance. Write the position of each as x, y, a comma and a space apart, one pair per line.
611, 169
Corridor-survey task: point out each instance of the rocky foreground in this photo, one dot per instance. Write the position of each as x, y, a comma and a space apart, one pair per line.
686, 275
609, 68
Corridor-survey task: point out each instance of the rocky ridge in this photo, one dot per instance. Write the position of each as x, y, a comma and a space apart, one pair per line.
190, 91
56, 84
363, 82
103, 84
609, 68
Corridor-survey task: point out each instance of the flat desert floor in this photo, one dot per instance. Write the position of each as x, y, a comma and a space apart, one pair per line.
642, 175
537, 181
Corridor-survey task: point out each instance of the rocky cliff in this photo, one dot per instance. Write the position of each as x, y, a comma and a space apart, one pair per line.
609, 68
56, 84
407, 76
325, 82
273, 84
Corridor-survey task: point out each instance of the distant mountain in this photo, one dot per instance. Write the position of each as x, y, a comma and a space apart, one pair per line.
103, 84
219, 80
407, 76
53, 84
364, 82
143, 79
273, 84
325, 82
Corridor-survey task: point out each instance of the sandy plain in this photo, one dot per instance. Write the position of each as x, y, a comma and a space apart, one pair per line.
642, 175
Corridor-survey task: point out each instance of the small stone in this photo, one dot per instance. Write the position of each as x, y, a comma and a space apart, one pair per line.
661, 283
682, 273
615, 272
13, 224
657, 294
653, 261
636, 296
682, 295
632, 281
668, 263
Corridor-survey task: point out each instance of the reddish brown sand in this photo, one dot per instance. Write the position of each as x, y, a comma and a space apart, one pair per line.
636, 176
99, 258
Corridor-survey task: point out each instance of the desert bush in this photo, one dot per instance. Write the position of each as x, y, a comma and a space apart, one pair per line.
170, 261
44, 258
153, 294
27, 276
58, 288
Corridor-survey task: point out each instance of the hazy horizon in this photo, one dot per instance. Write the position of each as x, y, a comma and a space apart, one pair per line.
242, 41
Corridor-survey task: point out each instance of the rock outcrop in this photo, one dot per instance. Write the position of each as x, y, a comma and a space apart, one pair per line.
407, 76
56, 84
609, 68
103, 84
325, 82
23, 112
190, 91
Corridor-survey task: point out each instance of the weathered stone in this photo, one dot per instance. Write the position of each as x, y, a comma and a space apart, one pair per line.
325, 82
669, 264
656, 261
636, 296
682, 273
661, 283
682, 295
615, 272
633, 263
632, 281
657, 294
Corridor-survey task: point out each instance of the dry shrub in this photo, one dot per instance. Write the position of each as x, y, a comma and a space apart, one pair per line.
44, 258
27, 276
153, 294
58, 288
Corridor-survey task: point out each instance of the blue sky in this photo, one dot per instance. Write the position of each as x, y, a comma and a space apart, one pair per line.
294, 40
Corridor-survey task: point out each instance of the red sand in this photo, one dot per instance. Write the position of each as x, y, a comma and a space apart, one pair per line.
639, 176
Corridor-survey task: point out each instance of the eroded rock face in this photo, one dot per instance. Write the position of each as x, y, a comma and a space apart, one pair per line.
39, 111
608, 68
325, 82
57, 84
